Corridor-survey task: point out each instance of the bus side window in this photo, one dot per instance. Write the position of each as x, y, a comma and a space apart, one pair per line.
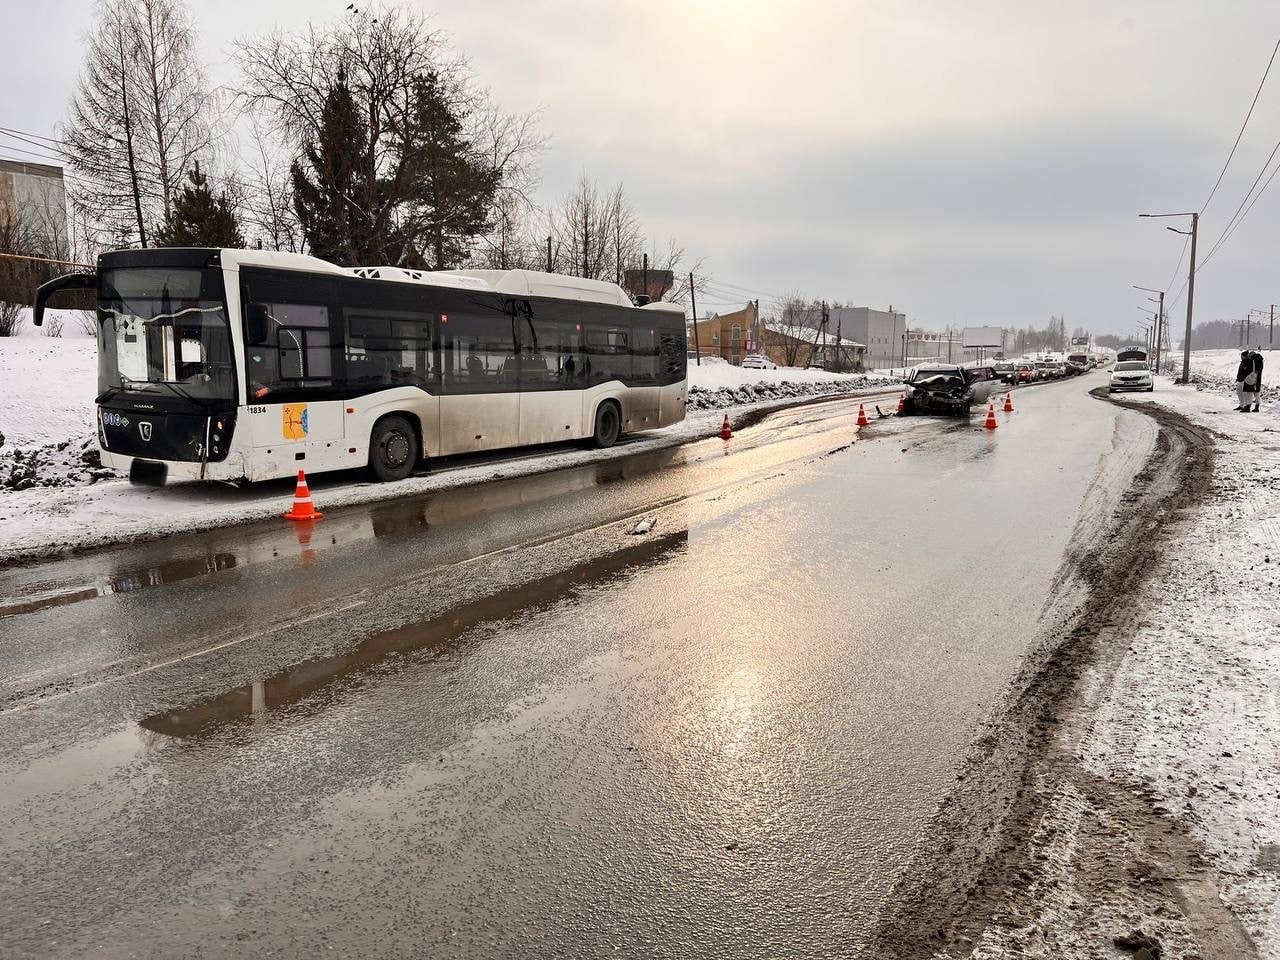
550, 348
673, 360
644, 355
297, 351
388, 348
607, 353
479, 354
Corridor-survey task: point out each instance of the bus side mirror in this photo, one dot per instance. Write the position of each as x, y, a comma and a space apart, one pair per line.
256, 322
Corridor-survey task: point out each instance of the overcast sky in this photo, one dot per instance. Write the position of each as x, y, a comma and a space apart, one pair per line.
980, 162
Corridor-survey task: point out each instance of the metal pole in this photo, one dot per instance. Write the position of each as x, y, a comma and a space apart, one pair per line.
825, 319
1160, 331
1191, 295
1271, 335
548, 255
693, 302
839, 360
759, 337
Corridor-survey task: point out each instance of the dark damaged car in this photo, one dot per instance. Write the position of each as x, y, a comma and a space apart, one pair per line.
947, 389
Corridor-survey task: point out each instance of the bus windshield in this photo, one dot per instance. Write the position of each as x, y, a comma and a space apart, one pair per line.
164, 330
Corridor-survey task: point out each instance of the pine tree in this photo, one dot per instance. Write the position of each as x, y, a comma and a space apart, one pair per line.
453, 187
198, 218
335, 191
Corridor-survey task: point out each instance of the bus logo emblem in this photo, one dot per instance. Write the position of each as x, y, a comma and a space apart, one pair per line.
144, 428
295, 421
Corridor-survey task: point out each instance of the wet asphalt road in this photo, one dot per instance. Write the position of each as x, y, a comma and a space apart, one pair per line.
493, 722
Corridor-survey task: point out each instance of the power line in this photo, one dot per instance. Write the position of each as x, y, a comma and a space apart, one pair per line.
1252, 104
1239, 135
24, 133
1235, 216
1227, 235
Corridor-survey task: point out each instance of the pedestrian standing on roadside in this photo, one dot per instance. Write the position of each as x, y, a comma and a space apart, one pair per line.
1244, 378
1257, 384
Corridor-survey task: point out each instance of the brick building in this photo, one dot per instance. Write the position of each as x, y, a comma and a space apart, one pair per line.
728, 335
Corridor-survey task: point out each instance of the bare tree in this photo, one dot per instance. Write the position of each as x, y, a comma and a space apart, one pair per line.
265, 194
797, 321
140, 117
582, 226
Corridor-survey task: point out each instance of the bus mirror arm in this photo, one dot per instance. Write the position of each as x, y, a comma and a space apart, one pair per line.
70, 281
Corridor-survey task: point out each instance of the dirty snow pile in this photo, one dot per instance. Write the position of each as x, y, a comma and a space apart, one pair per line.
47, 389
1193, 712
69, 463
777, 385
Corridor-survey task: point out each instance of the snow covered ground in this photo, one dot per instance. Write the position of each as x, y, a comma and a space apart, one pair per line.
1223, 363
1194, 714
55, 496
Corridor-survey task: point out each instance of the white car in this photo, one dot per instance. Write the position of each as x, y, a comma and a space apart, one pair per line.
757, 362
1131, 375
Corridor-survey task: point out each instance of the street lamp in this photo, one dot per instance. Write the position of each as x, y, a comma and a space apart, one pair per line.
1160, 323
1191, 284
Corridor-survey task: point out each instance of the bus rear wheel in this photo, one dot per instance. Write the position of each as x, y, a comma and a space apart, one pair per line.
393, 449
608, 425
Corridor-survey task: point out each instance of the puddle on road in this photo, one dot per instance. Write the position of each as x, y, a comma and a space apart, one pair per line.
306, 680
344, 525
126, 581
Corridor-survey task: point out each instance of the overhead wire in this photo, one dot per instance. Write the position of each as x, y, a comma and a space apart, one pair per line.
1222, 173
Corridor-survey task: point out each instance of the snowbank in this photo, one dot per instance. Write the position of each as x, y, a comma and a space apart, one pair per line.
719, 386
1193, 713
1222, 364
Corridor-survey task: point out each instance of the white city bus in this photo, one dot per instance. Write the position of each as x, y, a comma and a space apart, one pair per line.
250, 364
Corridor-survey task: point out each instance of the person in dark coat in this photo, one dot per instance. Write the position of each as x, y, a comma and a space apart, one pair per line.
1257, 368
1245, 378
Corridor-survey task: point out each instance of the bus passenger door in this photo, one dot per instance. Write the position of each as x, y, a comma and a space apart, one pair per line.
551, 371
480, 399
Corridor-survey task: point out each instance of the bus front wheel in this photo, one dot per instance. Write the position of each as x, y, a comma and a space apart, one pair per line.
608, 425
393, 449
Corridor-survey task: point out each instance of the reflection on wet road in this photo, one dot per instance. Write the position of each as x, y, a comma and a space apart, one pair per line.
300, 681
498, 723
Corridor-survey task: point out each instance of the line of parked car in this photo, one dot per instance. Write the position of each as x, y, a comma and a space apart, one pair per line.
1032, 369
954, 388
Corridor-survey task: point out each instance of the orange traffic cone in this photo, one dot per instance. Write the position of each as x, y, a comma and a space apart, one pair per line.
725, 430
991, 417
303, 508
902, 403
1008, 403
862, 416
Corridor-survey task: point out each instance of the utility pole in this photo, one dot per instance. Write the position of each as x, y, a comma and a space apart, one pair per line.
548, 254
1159, 330
1191, 284
1271, 334
826, 318
1191, 295
693, 302
839, 344
759, 336
646, 278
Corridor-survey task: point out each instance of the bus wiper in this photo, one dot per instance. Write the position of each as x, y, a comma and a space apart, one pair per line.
181, 393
